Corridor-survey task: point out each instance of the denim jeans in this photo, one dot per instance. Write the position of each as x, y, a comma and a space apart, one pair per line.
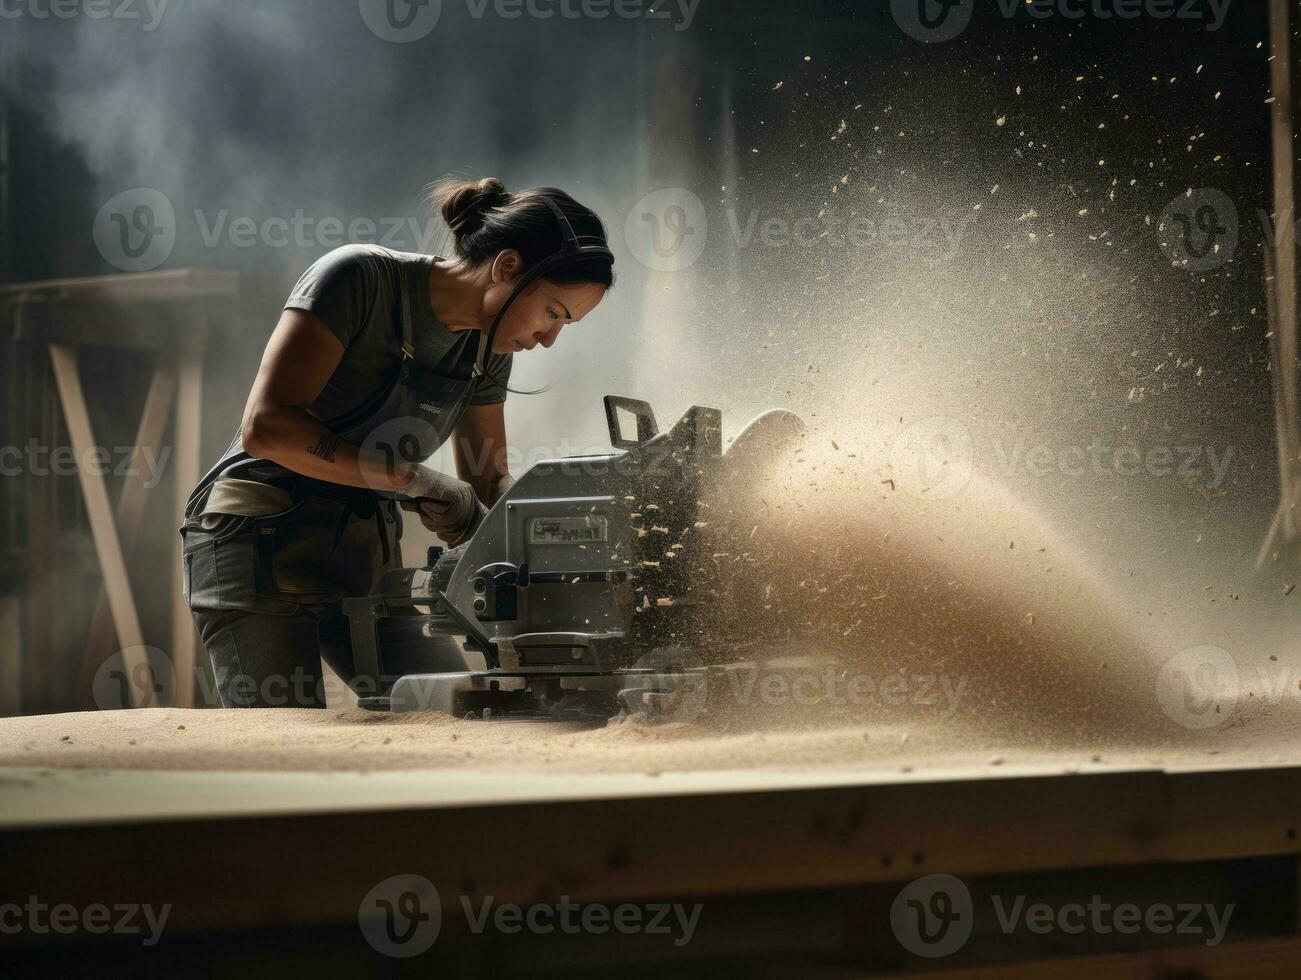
264, 595
260, 660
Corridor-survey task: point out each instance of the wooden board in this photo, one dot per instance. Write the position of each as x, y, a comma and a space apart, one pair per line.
133, 287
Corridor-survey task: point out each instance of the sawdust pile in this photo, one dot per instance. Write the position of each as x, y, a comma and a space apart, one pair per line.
353, 739
350, 739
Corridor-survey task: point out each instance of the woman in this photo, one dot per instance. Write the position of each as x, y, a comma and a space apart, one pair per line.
379, 357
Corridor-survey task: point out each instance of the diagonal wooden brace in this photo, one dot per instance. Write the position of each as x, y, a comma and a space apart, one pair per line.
107, 546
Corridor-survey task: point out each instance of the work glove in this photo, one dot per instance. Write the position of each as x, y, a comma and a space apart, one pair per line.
447, 506
504, 483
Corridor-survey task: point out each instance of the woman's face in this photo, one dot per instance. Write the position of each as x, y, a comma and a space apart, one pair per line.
539, 313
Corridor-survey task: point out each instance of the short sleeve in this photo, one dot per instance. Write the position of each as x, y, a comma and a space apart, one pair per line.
339, 288
491, 388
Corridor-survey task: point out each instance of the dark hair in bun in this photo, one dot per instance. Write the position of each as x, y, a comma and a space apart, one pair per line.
486, 219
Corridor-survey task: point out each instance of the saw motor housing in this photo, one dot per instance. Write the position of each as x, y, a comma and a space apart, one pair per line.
584, 567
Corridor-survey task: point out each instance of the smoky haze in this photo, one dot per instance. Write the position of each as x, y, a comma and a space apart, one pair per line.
296, 113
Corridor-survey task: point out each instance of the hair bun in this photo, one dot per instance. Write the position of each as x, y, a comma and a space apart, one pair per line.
463, 203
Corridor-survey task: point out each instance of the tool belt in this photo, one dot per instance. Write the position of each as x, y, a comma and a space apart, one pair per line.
330, 542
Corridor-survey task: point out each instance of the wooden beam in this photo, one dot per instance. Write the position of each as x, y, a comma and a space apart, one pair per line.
144, 326
107, 547
41, 691
1282, 529
132, 287
1253, 958
11, 662
188, 417
130, 511
621, 839
1285, 214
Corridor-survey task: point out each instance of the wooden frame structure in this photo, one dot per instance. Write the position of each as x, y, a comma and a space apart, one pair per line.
167, 312
1281, 286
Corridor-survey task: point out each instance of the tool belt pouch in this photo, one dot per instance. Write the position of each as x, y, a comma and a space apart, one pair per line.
221, 568
316, 551
320, 550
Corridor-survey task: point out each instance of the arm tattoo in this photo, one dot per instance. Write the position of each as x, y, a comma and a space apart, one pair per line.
324, 448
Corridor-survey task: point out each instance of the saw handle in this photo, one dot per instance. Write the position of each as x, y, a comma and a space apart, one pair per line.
642, 411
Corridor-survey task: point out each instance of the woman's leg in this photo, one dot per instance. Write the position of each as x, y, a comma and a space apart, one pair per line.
263, 661
336, 650
245, 580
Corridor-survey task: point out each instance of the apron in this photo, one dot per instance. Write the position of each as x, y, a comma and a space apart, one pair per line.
334, 541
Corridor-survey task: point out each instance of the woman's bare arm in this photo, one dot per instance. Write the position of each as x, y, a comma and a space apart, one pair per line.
479, 446
299, 359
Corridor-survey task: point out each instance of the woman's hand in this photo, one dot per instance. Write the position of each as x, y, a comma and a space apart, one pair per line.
455, 524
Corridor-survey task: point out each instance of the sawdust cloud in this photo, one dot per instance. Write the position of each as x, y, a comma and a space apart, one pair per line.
1004, 607
964, 611
909, 541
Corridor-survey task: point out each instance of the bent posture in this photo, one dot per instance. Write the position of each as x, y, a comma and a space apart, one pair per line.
379, 357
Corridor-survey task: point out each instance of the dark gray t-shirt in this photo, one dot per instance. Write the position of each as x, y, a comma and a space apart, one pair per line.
354, 291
